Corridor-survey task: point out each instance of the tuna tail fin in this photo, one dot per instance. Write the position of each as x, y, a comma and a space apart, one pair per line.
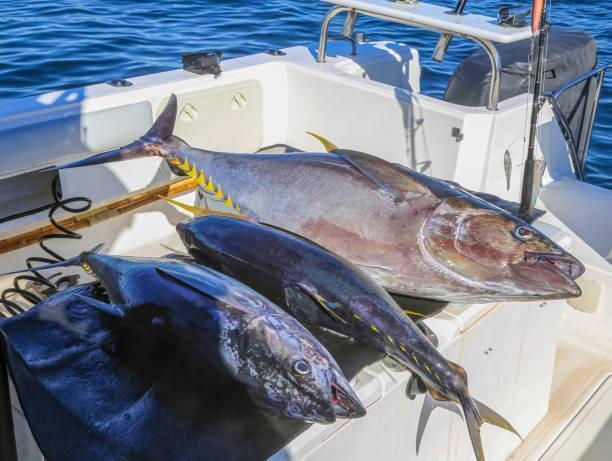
74, 261
148, 145
474, 422
492, 417
476, 414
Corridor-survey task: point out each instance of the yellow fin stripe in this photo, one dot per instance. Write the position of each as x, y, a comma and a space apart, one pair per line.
374, 329
356, 316
437, 376
417, 314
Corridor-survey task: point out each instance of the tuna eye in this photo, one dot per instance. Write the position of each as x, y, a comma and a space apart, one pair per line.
301, 367
522, 233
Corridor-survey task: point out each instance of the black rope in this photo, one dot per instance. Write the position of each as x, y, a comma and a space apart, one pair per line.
51, 287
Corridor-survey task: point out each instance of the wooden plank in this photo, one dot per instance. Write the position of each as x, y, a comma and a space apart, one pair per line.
99, 214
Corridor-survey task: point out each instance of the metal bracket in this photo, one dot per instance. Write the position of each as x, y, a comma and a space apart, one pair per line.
203, 62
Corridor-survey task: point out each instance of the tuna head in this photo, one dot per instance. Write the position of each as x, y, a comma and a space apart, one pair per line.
282, 366
493, 255
300, 380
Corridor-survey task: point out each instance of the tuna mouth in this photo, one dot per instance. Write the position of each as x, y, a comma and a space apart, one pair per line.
344, 400
564, 263
547, 276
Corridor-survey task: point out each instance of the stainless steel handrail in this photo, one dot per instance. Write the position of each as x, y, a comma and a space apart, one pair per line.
487, 45
577, 161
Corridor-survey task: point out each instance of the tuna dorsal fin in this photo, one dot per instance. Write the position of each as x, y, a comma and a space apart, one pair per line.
327, 144
492, 417
163, 127
109, 309
388, 177
418, 308
328, 307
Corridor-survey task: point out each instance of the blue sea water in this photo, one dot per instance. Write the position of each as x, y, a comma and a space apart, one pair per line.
56, 44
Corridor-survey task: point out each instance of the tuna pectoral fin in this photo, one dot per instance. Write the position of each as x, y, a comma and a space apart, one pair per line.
109, 309
146, 146
327, 307
397, 182
418, 308
490, 416
188, 281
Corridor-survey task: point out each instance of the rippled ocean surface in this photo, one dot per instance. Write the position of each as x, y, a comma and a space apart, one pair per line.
47, 45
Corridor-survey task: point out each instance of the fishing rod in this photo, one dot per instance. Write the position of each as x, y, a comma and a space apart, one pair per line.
538, 23
445, 39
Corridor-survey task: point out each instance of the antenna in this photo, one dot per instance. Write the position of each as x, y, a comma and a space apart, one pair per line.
527, 199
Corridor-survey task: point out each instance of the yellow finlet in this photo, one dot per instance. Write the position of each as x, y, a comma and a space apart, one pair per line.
427, 368
390, 339
210, 187
201, 179
185, 166
228, 202
374, 329
403, 349
356, 316
201, 211
193, 172
329, 146
414, 357
219, 193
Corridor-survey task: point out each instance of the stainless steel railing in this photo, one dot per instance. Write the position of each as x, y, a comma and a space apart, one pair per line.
578, 156
347, 34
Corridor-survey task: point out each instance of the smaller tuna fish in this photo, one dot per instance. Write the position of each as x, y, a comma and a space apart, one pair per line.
282, 366
326, 290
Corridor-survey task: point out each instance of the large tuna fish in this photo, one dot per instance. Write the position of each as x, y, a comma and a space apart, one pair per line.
415, 235
281, 365
322, 289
